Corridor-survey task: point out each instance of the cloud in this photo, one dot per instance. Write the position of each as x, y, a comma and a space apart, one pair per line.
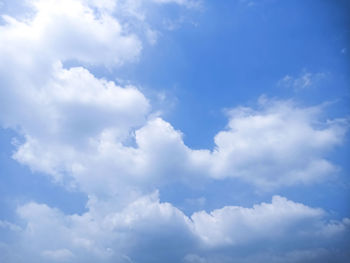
72, 110
68, 29
146, 224
278, 145
35, 85
305, 80
237, 225
111, 236
281, 142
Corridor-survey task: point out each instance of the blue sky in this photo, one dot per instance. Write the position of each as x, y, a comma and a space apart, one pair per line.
174, 131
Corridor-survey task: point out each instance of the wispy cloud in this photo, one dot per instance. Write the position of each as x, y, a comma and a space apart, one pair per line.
305, 80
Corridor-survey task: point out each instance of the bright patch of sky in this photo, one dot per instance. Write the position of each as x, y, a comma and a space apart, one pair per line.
174, 131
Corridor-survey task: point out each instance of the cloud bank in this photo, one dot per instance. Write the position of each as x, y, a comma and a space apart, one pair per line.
147, 230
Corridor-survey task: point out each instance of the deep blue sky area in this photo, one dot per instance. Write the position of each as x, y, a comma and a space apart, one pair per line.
231, 53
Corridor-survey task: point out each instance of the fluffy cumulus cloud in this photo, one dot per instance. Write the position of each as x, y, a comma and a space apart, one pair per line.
33, 50
277, 145
147, 230
280, 144
233, 225
54, 24
101, 139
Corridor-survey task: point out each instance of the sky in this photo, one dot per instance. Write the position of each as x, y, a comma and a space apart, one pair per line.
190, 131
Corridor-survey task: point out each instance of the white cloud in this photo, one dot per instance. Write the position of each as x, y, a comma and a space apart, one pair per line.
278, 145
68, 29
234, 225
72, 110
36, 89
146, 224
109, 236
